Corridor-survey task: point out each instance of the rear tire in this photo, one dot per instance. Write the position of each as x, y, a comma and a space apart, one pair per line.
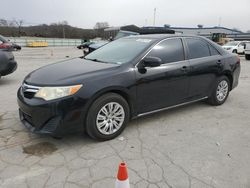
220, 91
247, 56
107, 117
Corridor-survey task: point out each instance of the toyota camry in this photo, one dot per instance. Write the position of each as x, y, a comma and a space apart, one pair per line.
125, 79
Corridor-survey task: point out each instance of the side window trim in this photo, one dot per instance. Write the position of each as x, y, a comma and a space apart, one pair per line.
151, 48
187, 48
210, 47
174, 38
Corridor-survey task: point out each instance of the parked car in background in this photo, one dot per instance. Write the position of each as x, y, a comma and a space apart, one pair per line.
127, 78
247, 51
16, 47
85, 45
7, 63
235, 46
99, 44
6, 44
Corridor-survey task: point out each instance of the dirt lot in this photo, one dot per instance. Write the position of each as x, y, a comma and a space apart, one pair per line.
193, 146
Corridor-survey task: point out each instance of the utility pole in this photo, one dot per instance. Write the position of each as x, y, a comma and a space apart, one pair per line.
63, 32
154, 15
219, 21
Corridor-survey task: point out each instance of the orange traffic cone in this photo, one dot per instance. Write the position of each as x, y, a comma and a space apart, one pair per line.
122, 180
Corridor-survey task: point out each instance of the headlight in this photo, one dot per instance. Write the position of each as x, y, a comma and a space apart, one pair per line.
49, 93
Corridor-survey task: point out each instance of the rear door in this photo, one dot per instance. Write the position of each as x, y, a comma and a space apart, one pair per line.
205, 64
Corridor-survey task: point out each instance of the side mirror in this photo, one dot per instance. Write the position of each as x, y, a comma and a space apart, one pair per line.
151, 62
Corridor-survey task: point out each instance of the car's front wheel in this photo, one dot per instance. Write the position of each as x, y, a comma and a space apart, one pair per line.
107, 117
220, 91
235, 51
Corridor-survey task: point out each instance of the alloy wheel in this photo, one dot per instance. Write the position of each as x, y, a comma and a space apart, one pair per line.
222, 90
110, 118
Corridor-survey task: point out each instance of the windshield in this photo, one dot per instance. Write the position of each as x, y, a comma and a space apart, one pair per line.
120, 51
232, 43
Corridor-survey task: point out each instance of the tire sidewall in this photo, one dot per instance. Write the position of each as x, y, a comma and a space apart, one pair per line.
91, 126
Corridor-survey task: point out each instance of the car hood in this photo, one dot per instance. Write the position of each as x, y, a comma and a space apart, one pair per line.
68, 72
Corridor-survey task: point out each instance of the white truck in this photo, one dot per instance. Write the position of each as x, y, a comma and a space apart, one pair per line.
247, 51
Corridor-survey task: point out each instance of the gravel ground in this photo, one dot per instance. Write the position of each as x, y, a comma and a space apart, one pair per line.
192, 146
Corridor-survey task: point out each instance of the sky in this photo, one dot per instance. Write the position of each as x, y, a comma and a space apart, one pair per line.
85, 13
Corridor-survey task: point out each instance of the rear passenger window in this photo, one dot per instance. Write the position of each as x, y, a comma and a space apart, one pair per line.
213, 51
197, 48
168, 51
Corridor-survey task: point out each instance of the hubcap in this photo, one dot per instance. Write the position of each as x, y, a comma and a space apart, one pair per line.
222, 90
110, 118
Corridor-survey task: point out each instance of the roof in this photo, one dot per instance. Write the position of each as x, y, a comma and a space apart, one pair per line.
207, 28
161, 36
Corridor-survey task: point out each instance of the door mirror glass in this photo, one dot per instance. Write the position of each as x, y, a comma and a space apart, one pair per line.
151, 62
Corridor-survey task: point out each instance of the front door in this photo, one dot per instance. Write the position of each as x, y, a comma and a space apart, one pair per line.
167, 84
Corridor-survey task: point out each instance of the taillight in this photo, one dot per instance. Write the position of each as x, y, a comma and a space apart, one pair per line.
5, 45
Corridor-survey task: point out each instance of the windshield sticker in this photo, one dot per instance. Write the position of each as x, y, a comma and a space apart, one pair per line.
144, 40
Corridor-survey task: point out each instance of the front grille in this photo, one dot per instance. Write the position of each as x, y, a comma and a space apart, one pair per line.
29, 91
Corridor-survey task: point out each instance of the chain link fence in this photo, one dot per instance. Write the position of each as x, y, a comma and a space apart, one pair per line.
23, 41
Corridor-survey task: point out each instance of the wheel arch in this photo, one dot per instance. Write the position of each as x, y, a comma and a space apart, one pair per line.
230, 77
124, 92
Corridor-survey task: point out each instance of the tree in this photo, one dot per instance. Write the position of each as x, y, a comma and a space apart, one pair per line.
19, 24
101, 25
3, 22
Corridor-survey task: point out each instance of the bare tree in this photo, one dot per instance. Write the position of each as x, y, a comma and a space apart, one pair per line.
3, 22
101, 25
19, 24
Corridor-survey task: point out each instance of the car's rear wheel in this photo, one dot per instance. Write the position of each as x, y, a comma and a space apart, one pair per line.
247, 57
220, 91
107, 117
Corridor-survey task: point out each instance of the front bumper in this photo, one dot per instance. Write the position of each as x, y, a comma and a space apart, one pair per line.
56, 117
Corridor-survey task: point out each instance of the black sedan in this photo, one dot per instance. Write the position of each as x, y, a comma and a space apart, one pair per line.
127, 78
7, 63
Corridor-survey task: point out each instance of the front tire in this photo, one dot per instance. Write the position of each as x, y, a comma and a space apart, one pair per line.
220, 92
107, 117
235, 51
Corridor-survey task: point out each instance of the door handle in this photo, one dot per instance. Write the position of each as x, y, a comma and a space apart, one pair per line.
184, 68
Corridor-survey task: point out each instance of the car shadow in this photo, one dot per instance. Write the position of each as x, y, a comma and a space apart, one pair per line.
82, 139
6, 81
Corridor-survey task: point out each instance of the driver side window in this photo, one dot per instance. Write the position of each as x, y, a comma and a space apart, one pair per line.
168, 51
